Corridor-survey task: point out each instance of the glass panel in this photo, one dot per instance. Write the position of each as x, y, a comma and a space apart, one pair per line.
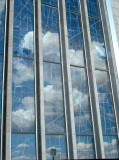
56, 147
85, 147
92, 8
98, 47
72, 5
81, 101
105, 102
75, 39
51, 2
111, 147
23, 147
54, 107
50, 32
2, 23
23, 95
23, 28
1, 67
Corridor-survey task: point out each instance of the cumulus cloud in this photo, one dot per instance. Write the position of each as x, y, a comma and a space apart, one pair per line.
2, 6
111, 148
23, 72
23, 118
27, 41
22, 158
23, 145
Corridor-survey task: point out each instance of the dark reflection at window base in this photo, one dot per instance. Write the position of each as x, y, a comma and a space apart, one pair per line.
56, 147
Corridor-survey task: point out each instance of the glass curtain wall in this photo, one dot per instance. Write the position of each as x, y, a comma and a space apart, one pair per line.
23, 113
104, 92
81, 101
2, 26
53, 88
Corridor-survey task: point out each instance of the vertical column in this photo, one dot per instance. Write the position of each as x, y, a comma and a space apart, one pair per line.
39, 93
7, 82
92, 82
111, 62
71, 135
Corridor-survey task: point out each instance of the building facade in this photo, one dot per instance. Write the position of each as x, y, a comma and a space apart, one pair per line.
59, 87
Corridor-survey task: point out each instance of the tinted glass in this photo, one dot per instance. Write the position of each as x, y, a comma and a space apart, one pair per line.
105, 103
81, 101
50, 32
54, 107
111, 147
98, 47
85, 147
23, 147
2, 23
23, 95
23, 28
1, 67
72, 5
51, 2
56, 145
75, 39
92, 8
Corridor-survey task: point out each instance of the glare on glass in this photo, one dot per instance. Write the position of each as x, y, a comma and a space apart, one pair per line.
50, 34
111, 147
98, 46
75, 40
53, 98
23, 147
23, 28
81, 104
23, 115
85, 147
105, 102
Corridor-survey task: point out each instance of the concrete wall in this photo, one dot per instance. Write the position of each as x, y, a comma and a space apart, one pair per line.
115, 10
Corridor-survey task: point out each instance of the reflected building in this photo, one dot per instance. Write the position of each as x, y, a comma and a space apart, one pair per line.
58, 80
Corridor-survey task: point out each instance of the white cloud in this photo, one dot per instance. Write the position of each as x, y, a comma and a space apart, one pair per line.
23, 72
27, 41
50, 43
2, 5
23, 145
84, 147
23, 118
22, 158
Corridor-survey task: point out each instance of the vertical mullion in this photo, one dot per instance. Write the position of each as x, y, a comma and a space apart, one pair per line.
39, 93
99, 148
110, 59
7, 82
71, 135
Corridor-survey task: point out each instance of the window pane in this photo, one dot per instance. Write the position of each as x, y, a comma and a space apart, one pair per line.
105, 103
72, 5
111, 147
23, 95
1, 67
51, 2
92, 8
82, 113
2, 23
98, 47
57, 145
50, 32
23, 147
85, 147
23, 28
53, 98
75, 39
